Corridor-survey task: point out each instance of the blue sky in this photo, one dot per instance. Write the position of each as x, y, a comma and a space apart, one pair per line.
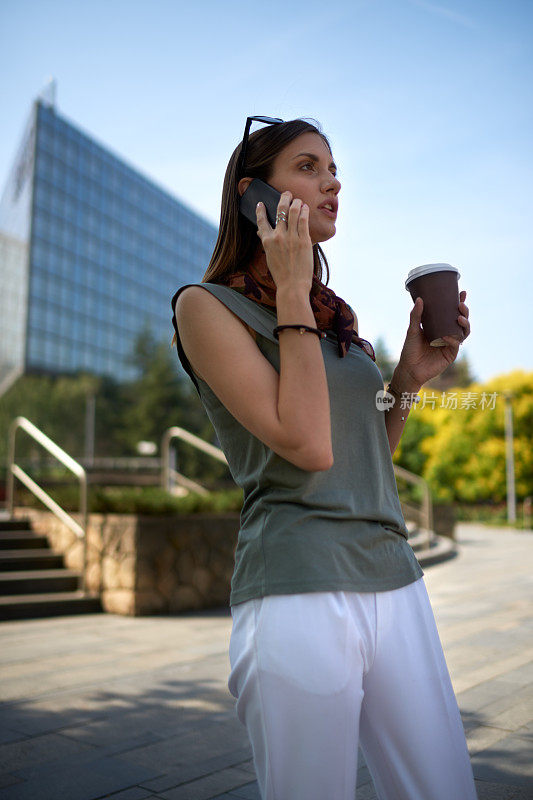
428, 106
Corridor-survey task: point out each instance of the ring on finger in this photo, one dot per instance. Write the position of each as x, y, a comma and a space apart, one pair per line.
281, 216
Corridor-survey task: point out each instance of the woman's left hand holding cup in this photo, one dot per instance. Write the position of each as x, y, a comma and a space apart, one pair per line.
419, 361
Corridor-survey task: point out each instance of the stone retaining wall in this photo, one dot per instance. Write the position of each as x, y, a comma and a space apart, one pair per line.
149, 565
152, 565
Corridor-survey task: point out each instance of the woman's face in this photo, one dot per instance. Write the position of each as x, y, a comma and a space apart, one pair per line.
306, 168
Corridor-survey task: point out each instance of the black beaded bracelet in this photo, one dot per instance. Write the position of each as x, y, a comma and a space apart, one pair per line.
301, 328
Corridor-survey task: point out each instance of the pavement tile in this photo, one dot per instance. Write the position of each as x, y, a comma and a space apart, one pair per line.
525, 732
7, 735
194, 770
113, 736
225, 796
511, 713
37, 750
496, 791
8, 780
95, 779
135, 793
205, 788
522, 675
493, 669
363, 773
508, 761
250, 791
477, 698
212, 739
32, 719
366, 792
183, 755
248, 765
484, 736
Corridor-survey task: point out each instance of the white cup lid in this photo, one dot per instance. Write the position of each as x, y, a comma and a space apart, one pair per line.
424, 269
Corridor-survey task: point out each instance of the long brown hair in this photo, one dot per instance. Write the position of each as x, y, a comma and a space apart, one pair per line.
237, 236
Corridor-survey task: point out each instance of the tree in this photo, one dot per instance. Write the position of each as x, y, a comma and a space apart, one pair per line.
458, 373
163, 396
460, 443
56, 405
384, 360
125, 413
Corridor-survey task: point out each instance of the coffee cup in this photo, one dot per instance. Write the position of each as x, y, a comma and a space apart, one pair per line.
438, 286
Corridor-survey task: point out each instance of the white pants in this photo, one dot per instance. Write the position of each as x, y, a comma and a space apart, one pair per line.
313, 673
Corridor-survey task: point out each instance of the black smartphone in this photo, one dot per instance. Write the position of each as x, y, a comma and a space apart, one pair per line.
257, 191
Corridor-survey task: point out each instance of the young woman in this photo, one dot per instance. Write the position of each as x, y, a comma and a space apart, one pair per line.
334, 642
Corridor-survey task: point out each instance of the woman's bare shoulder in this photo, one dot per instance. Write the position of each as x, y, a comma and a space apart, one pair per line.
193, 298
195, 303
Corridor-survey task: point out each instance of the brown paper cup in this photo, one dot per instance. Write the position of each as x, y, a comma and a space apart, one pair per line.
438, 286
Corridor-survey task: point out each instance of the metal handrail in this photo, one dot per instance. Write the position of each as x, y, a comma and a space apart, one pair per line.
167, 473
122, 463
187, 484
427, 503
190, 438
14, 471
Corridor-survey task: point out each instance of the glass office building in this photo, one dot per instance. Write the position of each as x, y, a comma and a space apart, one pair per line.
91, 251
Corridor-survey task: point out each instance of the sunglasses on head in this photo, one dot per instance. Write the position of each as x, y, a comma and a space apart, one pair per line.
244, 145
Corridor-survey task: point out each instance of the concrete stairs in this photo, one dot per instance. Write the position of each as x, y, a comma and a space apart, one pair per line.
33, 579
440, 548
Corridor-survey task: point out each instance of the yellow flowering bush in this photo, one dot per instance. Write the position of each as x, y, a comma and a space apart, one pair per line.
456, 439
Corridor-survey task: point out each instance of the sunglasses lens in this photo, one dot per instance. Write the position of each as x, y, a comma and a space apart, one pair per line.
267, 120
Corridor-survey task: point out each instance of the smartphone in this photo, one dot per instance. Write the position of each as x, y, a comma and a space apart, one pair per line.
257, 191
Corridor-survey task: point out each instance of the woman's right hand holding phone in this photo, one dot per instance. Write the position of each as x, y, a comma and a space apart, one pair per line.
288, 246
287, 408
304, 416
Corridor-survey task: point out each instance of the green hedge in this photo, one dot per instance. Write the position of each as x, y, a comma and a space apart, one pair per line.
135, 500
151, 500
490, 514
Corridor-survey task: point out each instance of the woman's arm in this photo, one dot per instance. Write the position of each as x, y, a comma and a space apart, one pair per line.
396, 416
419, 362
289, 411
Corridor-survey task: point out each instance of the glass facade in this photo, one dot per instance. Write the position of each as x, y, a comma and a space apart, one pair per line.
15, 229
107, 250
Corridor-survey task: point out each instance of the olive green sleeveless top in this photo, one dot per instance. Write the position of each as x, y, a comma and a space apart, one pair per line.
301, 531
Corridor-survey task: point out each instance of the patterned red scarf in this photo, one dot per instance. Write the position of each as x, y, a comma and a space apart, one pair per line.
331, 312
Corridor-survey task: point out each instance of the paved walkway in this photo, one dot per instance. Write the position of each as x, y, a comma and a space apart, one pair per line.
103, 706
